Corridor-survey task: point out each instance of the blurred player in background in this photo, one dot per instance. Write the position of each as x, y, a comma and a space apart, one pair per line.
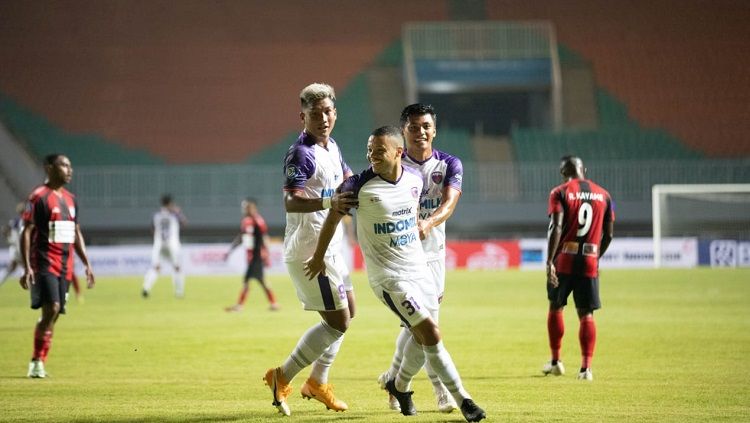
12, 233
254, 237
314, 167
442, 175
166, 226
50, 235
581, 227
388, 231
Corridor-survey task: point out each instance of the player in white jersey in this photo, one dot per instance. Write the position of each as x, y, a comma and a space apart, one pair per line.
314, 168
12, 234
166, 225
388, 194
442, 175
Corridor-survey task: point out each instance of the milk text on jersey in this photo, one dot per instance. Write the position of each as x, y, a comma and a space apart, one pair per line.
326, 192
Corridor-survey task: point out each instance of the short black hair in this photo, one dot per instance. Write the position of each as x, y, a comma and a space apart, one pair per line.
387, 131
166, 199
417, 109
49, 159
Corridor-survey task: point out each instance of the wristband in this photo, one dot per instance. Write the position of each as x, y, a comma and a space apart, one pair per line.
326, 203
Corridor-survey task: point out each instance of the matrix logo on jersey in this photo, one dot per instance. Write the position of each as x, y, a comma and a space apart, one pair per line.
585, 196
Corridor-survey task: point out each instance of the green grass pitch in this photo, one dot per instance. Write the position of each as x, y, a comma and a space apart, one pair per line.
673, 345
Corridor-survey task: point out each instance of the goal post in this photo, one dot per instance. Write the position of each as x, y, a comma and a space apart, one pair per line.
699, 210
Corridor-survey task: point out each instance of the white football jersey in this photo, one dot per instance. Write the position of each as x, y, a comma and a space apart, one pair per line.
387, 225
166, 227
439, 171
316, 172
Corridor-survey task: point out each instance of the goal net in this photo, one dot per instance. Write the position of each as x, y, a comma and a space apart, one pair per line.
710, 211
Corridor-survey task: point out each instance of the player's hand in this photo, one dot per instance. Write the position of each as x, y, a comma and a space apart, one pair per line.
424, 228
343, 201
265, 257
313, 267
27, 279
552, 275
90, 280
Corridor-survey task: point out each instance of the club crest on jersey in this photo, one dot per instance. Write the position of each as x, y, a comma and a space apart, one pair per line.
437, 177
415, 192
291, 171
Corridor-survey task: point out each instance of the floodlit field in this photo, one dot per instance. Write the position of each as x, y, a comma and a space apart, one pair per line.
673, 345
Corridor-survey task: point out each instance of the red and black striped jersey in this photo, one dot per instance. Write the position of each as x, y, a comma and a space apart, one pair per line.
253, 229
586, 207
54, 217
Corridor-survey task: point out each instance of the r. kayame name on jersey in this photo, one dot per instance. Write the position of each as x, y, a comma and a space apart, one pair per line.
584, 195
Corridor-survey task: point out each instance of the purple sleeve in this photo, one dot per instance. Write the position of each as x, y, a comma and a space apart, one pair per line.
344, 167
454, 173
299, 166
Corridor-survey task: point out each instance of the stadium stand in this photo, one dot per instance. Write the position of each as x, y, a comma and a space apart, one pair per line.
42, 137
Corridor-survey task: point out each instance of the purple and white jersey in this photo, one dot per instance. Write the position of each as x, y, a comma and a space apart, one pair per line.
439, 171
387, 225
316, 172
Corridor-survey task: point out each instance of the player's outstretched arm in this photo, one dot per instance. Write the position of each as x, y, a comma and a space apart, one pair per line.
315, 265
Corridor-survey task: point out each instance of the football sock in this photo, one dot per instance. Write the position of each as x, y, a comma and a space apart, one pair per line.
39, 338
243, 294
441, 361
587, 339
413, 360
270, 296
178, 280
150, 279
322, 365
309, 348
555, 330
403, 337
47, 344
437, 386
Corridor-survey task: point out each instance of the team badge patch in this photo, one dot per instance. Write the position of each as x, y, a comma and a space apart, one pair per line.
291, 171
414, 192
437, 177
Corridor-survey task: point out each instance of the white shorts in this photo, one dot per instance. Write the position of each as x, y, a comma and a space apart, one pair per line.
436, 277
14, 254
169, 252
412, 301
322, 293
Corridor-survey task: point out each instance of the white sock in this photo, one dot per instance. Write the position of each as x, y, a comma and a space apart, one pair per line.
413, 361
403, 337
442, 363
322, 365
178, 282
309, 348
150, 279
437, 385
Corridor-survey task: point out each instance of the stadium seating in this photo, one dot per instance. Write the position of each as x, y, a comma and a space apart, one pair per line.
42, 137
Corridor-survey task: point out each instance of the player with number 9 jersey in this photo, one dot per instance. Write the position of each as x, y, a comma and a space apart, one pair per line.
586, 206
